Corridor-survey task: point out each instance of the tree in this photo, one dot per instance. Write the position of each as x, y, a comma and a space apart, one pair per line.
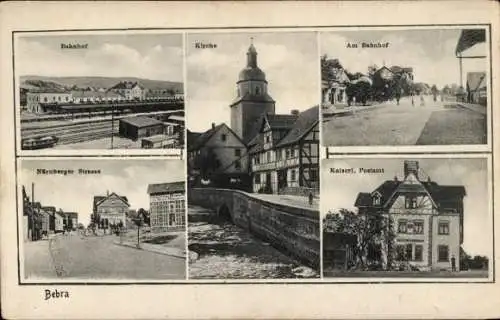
143, 215
374, 231
207, 163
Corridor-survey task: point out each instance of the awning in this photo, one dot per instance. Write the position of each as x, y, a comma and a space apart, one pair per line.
469, 38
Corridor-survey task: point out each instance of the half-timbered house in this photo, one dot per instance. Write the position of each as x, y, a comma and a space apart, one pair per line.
284, 154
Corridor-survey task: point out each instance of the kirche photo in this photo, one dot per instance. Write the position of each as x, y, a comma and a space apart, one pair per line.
253, 168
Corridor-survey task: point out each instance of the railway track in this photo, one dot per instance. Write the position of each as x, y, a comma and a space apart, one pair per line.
74, 133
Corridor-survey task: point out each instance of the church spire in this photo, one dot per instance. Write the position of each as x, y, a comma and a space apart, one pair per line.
252, 55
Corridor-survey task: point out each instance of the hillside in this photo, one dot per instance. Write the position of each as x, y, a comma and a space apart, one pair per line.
100, 82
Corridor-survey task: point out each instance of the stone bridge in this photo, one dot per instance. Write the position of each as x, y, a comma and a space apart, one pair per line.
291, 229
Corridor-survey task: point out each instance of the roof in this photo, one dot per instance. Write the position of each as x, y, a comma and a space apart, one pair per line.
126, 85
202, 138
254, 98
192, 137
141, 121
468, 38
99, 199
475, 80
167, 187
284, 121
175, 117
95, 94
48, 90
443, 196
305, 122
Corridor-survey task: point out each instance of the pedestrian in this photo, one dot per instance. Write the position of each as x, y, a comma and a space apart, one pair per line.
422, 101
412, 101
453, 264
310, 198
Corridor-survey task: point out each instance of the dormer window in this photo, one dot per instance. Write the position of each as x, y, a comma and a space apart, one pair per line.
376, 199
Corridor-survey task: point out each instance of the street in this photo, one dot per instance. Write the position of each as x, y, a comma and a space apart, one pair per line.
225, 251
96, 258
435, 123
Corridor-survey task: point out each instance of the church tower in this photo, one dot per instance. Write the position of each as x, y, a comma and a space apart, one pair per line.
252, 98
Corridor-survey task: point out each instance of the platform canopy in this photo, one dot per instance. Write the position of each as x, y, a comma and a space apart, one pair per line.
469, 38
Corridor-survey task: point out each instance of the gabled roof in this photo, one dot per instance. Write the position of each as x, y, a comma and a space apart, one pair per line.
141, 121
203, 138
99, 199
126, 85
443, 196
167, 187
305, 122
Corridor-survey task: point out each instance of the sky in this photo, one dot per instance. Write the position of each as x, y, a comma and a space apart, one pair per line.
75, 193
289, 60
340, 190
150, 56
430, 52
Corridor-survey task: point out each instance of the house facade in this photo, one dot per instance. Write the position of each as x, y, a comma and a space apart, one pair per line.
334, 81
112, 209
427, 219
167, 206
285, 153
220, 150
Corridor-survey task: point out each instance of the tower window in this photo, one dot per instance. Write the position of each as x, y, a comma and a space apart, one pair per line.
257, 90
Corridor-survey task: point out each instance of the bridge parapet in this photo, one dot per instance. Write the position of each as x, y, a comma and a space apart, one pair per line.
291, 229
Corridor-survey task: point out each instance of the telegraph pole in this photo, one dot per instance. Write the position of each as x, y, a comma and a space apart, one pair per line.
112, 124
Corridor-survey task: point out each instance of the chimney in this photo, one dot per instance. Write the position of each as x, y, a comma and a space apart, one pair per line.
295, 112
213, 125
411, 166
107, 193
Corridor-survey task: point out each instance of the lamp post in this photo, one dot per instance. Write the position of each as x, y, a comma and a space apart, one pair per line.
139, 221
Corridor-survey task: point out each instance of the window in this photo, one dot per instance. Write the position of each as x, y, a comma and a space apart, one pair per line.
418, 227
237, 152
278, 155
409, 251
444, 227
268, 139
287, 153
268, 155
402, 226
257, 90
376, 200
257, 178
442, 253
410, 202
257, 159
292, 175
419, 249
313, 175
223, 137
45, 99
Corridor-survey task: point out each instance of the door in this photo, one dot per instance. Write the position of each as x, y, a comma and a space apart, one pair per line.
269, 188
